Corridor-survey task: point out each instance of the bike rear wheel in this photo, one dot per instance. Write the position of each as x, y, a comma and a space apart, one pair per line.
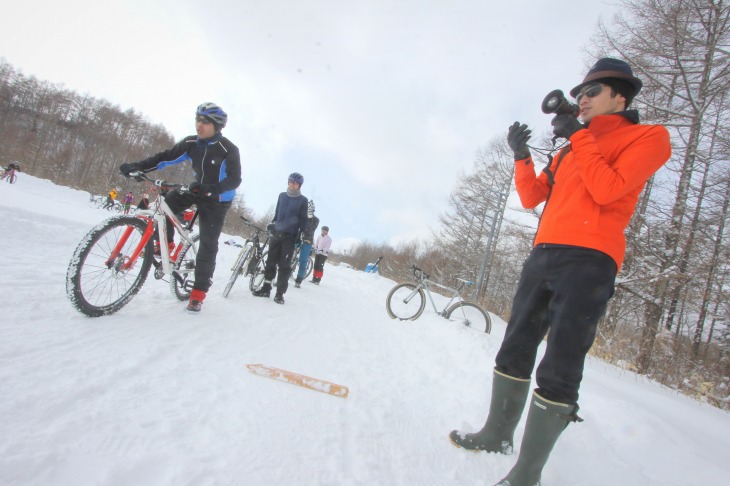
183, 271
97, 286
257, 273
238, 268
471, 315
404, 302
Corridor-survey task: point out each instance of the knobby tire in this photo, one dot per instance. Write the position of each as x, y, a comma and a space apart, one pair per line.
96, 288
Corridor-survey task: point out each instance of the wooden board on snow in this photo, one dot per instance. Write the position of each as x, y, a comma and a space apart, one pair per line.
301, 380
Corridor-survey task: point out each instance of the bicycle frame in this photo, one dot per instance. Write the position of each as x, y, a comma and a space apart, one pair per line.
158, 214
424, 284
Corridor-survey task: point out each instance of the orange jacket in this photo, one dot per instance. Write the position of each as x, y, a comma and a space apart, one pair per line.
597, 183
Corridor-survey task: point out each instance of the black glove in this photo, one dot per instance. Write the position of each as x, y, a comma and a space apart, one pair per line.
517, 137
565, 125
194, 187
125, 169
270, 227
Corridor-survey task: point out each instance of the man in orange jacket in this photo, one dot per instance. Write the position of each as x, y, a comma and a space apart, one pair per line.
590, 192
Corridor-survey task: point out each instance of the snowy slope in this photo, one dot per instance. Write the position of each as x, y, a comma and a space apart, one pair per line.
153, 395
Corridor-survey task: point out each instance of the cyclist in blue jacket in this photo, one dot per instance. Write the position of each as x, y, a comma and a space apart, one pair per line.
216, 166
290, 218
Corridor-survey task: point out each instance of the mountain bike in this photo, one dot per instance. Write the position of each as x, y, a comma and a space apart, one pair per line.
406, 301
251, 255
112, 262
295, 262
10, 175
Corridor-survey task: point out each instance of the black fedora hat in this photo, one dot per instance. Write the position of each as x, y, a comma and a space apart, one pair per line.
610, 68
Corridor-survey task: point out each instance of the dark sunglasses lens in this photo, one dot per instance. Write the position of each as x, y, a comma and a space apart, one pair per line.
202, 120
590, 91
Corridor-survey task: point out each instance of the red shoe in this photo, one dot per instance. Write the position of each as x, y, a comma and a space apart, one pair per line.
196, 301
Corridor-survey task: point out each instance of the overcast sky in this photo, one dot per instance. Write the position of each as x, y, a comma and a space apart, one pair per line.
380, 104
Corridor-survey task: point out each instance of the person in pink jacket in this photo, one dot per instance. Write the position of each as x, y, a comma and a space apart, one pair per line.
321, 249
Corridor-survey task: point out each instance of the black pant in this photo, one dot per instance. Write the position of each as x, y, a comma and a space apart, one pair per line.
281, 249
211, 215
564, 290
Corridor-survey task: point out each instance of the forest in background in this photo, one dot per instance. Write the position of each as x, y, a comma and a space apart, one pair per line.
669, 317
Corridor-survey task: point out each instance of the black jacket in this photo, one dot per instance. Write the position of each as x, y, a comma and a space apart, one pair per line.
215, 161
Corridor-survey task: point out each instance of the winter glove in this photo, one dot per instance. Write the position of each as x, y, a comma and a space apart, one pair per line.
565, 125
125, 169
194, 187
270, 227
517, 138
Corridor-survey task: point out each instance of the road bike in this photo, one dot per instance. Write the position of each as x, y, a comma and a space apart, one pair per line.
406, 301
112, 262
295, 262
251, 256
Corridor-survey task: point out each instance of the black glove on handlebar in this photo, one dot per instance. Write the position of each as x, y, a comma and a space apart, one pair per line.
125, 169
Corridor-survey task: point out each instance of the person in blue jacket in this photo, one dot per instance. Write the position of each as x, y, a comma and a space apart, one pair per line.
290, 219
216, 164
307, 239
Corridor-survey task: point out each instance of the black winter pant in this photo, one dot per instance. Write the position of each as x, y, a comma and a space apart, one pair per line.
281, 249
211, 215
563, 290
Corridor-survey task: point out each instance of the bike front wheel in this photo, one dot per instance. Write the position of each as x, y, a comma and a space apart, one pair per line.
98, 286
404, 302
471, 315
238, 268
183, 271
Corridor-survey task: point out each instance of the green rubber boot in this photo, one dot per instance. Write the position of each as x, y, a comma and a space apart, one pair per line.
509, 395
546, 420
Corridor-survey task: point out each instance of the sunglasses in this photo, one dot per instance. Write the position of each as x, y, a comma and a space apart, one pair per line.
203, 120
591, 91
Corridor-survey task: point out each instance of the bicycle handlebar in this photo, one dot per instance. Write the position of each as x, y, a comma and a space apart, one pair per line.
421, 275
249, 223
164, 185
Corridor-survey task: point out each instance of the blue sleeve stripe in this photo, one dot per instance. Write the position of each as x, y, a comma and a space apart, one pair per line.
183, 158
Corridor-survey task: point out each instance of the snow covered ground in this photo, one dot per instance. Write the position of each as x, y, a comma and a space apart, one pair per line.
155, 396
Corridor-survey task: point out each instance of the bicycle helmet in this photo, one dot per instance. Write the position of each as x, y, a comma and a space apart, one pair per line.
213, 112
296, 177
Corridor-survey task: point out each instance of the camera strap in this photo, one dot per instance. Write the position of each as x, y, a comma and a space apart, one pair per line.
551, 174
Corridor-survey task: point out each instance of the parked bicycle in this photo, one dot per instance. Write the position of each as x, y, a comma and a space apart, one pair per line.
251, 256
295, 262
406, 301
112, 262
